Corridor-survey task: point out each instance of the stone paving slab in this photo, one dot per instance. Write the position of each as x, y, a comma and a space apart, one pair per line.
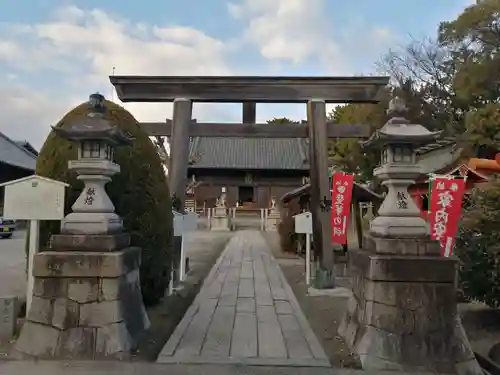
245, 314
138, 368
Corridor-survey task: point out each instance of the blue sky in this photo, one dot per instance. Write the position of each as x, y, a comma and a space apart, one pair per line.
53, 53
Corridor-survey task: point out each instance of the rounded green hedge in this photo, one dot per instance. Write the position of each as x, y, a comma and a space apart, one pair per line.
139, 192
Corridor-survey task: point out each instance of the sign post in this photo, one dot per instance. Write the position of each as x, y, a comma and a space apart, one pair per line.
182, 224
190, 224
33, 198
34, 241
303, 225
177, 224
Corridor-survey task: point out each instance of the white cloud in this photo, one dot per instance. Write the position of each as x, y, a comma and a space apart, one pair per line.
71, 55
293, 30
301, 31
28, 114
80, 48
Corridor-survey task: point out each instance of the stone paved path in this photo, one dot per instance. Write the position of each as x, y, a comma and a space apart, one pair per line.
137, 368
245, 313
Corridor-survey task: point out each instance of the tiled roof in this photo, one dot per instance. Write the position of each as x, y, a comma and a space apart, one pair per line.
263, 153
13, 154
440, 143
27, 146
249, 153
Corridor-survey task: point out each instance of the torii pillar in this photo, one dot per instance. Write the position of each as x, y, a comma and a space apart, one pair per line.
178, 166
320, 190
179, 149
249, 112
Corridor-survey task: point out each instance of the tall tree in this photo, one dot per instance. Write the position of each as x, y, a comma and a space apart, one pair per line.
422, 74
282, 120
473, 40
348, 154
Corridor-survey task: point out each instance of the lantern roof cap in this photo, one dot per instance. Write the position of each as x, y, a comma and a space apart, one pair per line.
399, 130
94, 126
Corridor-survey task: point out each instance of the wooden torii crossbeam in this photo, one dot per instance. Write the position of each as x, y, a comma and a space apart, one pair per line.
315, 91
250, 130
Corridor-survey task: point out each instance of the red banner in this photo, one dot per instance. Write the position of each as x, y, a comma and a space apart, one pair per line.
445, 205
341, 206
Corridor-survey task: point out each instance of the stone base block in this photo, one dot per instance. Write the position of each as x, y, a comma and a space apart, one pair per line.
91, 222
9, 306
323, 278
403, 313
85, 305
220, 223
90, 242
220, 211
396, 246
272, 223
399, 227
341, 264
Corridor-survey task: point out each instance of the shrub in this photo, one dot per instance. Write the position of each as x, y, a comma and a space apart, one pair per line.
286, 226
478, 247
140, 193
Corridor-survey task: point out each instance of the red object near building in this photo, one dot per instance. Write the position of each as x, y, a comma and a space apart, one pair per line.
476, 170
341, 206
445, 207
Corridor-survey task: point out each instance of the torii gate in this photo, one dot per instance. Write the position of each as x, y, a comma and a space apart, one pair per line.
315, 91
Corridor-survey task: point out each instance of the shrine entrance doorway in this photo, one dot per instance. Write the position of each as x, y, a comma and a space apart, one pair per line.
245, 195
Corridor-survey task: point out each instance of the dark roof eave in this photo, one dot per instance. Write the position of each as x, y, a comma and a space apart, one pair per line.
379, 139
18, 166
194, 166
362, 193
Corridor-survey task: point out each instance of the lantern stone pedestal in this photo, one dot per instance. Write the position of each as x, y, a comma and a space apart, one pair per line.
220, 220
272, 219
403, 313
87, 301
93, 211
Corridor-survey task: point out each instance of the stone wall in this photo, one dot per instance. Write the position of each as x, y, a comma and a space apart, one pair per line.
85, 305
403, 312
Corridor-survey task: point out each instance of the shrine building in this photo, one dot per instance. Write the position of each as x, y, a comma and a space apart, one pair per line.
444, 158
252, 171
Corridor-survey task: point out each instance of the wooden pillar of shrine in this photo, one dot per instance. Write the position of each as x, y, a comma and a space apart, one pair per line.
249, 112
356, 210
179, 149
320, 189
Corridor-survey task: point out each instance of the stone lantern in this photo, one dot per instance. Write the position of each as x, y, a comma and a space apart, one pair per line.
93, 211
402, 314
87, 300
398, 216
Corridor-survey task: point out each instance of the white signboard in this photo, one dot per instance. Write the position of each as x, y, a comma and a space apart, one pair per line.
34, 198
190, 222
184, 223
178, 223
303, 223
